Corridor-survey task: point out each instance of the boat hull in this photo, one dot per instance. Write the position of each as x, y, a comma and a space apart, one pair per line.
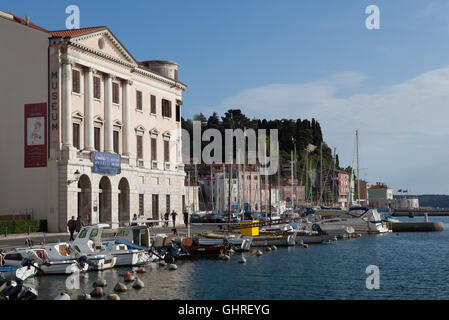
274, 241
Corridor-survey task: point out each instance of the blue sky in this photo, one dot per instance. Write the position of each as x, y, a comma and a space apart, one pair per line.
298, 59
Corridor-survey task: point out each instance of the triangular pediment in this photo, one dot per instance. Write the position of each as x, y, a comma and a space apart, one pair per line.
105, 43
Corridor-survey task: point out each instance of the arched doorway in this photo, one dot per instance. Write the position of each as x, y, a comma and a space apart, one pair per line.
104, 201
85, 199
123, 201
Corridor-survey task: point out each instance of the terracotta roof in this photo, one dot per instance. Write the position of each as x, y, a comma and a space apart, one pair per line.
75, 32
379, 186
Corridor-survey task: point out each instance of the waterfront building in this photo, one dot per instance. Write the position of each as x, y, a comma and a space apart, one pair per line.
86, 128
338, 186
379, 192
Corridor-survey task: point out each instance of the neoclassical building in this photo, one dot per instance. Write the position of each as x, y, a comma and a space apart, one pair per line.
112, 127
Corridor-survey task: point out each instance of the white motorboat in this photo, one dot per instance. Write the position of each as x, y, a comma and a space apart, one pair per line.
306, 234
44, 264
17, 273
277, 240
363, 219
239, 242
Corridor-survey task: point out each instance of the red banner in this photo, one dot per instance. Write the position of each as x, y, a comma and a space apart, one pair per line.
35, 135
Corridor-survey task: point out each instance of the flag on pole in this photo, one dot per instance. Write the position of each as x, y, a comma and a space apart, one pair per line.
405, 191
400, 190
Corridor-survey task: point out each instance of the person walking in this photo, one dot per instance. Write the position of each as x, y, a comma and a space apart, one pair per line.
186, 218
173, 216
78, 224
166, 219
72, 227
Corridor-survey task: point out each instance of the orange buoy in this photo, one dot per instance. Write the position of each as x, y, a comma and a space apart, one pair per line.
306, 246
141, 270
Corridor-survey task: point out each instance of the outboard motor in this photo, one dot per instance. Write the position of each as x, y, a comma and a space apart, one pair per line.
9, 289
83, 259
27, 293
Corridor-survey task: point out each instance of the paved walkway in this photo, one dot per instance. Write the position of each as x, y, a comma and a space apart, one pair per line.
18, 240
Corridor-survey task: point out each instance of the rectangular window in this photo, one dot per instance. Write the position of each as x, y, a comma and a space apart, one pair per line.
76, 135
115, 93
116, 141
178, 113
97, 90
141, 199
153, 149
167, 151
139, 100
155, 206
167, 203
176, 75
166, 108
153, 104
139, 147
183, 203
76, 81
97, 132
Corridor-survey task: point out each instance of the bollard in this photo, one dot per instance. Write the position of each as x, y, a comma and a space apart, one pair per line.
426, 217
29, 229
6, 231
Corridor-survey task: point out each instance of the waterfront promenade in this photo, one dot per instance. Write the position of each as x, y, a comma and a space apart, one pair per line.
18, 240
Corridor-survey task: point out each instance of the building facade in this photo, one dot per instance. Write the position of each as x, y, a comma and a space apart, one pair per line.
112, 127
379, 192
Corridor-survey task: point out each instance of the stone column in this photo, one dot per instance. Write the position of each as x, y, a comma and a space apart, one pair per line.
108, 146
67, 134
126, 117
89, 110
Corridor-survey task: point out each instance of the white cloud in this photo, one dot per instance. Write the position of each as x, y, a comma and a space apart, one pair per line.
404, 129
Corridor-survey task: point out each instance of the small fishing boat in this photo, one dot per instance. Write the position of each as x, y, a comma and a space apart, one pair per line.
17, 273
45, 265
362, 219
239, 242
284, 239
196, 246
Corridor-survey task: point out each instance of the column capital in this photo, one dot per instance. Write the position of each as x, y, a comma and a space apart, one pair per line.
67, 60
128, 81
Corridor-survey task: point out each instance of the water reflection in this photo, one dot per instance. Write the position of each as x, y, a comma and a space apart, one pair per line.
412, 266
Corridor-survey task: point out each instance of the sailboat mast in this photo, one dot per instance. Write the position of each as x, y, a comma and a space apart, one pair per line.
358, 173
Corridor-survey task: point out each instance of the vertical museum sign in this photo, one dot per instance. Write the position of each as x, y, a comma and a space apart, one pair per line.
35, 135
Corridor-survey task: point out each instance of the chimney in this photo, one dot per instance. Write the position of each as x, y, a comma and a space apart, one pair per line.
27, 20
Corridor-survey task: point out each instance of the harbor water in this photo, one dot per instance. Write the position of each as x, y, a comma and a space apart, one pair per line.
412, 266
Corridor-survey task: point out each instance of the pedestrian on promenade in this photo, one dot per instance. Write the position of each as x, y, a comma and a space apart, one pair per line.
134, 219
173, 216
166, 219
186, 217
72, 227
79, 224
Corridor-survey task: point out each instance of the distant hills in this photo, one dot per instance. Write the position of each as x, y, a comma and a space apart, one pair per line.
431, 200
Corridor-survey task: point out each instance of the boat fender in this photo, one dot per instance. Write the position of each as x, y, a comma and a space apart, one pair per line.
100, 283
138, 284
305, 246
128, 277
62, 296
141, 270
97, 292
113, 296
267, 248
259, 253
172, 266
120, 287
273, 247
162, 263
84, 296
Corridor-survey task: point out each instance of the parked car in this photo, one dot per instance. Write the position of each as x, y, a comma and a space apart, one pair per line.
212, 218
195, 218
